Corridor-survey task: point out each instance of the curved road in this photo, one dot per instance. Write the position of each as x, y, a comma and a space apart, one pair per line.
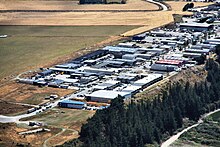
173, 138
164, 7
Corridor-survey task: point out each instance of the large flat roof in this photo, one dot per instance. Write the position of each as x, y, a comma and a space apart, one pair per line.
108, 94
120, 49
196, 24
72, 102
145, 80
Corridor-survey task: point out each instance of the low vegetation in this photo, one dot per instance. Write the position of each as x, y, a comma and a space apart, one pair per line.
71, 118
9, 136
10, 109
206, 133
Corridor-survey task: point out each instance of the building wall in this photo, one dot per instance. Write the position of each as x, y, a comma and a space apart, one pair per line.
69, 105
99, 99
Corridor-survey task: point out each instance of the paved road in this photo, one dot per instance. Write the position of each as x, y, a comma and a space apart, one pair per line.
164, 7
8, 119
172, 139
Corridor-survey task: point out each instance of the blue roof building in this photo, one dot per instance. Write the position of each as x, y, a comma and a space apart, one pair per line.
72, 104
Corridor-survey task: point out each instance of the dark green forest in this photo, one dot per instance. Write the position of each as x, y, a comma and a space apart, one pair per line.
147, 122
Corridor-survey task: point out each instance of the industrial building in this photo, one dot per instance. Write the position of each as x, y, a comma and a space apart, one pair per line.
107, 85
105, 96
72, 104
131, 66
197, 27
162, 67
148, 80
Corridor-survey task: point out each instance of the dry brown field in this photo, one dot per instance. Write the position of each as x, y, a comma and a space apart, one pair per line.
9, 136
73, 5
148, 20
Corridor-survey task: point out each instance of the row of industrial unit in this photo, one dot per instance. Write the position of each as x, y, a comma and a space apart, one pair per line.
130, 67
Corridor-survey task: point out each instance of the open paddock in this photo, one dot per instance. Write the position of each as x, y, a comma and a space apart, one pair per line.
74, 5
30, 47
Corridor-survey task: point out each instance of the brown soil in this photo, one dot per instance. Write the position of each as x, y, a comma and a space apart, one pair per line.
64, 137
9, 136
8, 108
17, 92
192, 75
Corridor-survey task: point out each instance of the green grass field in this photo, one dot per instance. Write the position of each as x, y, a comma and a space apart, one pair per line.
71, 118
30, 47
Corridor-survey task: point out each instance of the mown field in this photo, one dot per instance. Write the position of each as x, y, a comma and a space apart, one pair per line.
206, 134
30, 47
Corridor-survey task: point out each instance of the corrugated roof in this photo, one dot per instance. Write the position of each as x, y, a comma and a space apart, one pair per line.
107, 94
196, 24
172, 62
120, 49
72, 102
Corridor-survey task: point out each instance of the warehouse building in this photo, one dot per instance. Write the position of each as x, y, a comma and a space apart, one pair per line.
197, 27
90, 62
191, 55
92, 55
159, 51
72, 104
139, 37
86, 80
107, 85
127, 44
132, 89
113, 63
127, 79
127, 61
201, 51
146, 56
46, 72
105, 96
162, 67
97, 70
68, 65
63, 70
55, 83
117, 49
177, 63
26, 81
149, 80
40, 82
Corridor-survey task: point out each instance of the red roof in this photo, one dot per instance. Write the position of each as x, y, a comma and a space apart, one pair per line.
171, 62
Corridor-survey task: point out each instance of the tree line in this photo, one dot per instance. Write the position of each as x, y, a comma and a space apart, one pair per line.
148, 121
